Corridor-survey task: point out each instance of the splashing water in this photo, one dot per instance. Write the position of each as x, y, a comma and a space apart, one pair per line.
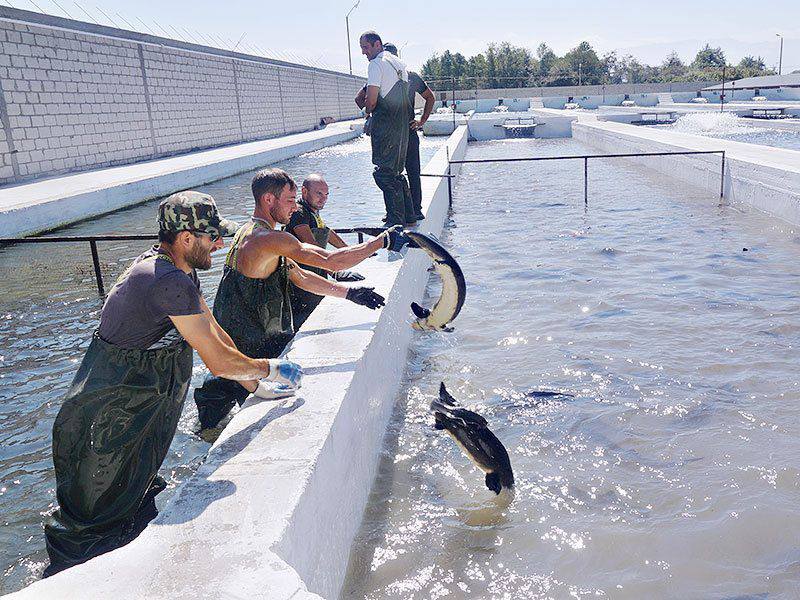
711, 123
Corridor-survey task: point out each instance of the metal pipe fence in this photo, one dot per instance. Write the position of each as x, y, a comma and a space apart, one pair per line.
93, 239
585, 158
360, 232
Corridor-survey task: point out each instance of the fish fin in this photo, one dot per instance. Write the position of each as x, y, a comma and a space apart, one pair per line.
419, 311
445, 397
493, 482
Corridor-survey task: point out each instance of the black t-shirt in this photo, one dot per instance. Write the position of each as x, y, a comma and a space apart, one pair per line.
137, 310
416, 85
304, 216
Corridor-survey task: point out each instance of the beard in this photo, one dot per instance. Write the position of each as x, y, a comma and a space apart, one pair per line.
283, 219
199, 257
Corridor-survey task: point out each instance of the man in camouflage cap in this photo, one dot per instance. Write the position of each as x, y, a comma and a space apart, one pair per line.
121, 411
194, 211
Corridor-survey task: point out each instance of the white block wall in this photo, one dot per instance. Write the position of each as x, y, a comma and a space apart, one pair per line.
78, 96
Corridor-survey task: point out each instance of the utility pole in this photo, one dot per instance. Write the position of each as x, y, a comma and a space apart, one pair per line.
780, 56
347, 24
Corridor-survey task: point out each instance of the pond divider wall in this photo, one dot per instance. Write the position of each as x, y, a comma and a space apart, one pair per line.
38, 206
762, 177
273, 511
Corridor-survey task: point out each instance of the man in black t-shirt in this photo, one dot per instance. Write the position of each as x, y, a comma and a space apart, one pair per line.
121, 411
307, 225
416, 85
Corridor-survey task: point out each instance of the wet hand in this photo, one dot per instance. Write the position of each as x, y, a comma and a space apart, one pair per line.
365, 296
417, 124
395, 239
285, 372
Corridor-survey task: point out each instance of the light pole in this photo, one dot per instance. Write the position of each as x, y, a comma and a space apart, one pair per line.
347, 24
780, 56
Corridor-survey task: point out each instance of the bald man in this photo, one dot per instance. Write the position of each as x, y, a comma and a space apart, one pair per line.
307, 225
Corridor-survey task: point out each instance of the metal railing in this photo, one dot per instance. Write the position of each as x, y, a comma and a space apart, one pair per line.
585, 158
93, 239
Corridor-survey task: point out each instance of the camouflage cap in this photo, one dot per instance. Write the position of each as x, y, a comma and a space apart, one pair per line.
193, 211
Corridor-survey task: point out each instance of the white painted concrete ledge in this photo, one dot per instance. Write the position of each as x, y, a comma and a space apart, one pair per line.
762, 177
274, 510
31, 208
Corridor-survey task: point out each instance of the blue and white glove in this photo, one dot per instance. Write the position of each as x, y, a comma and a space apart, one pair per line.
266, 391
285, 372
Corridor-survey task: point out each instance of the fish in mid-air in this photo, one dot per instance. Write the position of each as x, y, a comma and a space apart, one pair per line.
454, 287
470, 432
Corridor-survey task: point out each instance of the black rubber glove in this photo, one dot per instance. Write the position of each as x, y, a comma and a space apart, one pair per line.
347, 276
365, 296
395, 239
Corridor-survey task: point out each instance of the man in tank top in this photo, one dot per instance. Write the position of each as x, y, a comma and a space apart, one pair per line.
307, 225
121, 411
252, 303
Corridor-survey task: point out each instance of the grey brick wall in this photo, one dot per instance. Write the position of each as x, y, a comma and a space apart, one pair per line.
77, 96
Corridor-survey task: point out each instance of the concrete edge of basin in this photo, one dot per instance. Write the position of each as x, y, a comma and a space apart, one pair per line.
762, 177
39, 206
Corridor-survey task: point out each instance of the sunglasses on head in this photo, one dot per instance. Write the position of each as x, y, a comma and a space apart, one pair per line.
214, 236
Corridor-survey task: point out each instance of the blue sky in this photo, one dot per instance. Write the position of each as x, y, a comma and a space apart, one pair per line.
314, 30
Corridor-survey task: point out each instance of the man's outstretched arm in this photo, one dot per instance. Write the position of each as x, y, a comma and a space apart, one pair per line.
285, 244
223, 359
311, 282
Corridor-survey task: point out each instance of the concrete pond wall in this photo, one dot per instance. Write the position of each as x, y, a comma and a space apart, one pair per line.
274, 510
765, 178
38, 206
78, 96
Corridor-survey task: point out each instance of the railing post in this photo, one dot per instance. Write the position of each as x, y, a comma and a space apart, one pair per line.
454, 104
97, 274
722, 177
449, 180
586, 181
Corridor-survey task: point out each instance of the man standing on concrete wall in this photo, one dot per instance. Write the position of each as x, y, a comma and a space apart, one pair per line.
121, 411
307, 225
253, 304
416, 85
386, 101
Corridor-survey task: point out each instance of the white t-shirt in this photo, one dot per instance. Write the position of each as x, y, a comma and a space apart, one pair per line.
382, 72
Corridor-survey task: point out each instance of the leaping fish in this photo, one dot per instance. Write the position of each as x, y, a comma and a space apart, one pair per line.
470, 432
454, 288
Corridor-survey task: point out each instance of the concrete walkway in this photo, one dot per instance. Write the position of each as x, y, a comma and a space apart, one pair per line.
46, 204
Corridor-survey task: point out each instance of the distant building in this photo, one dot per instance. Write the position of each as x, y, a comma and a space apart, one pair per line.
765, 82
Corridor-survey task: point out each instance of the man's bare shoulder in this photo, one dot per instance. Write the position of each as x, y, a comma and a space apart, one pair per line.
268, 241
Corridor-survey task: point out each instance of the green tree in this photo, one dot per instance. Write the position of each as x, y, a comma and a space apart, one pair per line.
508, 66
673, 69
547, 59
709, 58
585, 64
611, 68
631, 70
751, 66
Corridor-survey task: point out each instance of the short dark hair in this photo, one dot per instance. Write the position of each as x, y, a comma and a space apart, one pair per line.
167, 237
390, 48
272, 181
371, 37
